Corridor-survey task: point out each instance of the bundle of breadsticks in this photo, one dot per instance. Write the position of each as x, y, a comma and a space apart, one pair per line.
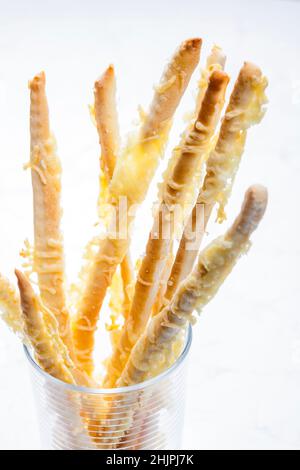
153, 302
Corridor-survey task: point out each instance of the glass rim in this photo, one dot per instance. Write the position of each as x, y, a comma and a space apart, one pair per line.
116, 390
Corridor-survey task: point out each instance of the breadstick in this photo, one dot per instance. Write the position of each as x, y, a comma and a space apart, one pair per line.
245, 108
154, 348
214, 264
107, 120
172, 86
108, 130
157, 250
215, 61
134, 171
132, 176
128, 283
10, 308
41, 328
46, 184
163, 283
46, 354
50, 352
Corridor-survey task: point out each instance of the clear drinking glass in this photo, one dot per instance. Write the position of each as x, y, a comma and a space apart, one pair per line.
144, 416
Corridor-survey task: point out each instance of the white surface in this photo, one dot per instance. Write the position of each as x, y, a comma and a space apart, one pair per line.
244, 379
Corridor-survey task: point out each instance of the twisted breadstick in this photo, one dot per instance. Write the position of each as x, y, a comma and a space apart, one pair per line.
214, 264
245, 108
131, 178
46, 184
157, 250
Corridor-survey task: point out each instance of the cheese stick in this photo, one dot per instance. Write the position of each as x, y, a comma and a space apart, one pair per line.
41, 330
152, 352
133, 173
108, 130
46, 354
215, 61
107, 121
46, 184
157, 250
171, 87
214, 264
10, 307
245, 109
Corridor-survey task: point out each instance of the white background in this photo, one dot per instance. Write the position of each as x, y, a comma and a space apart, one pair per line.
244, 374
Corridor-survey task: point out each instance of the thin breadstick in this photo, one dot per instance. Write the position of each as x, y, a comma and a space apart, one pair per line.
41, 329
133, 173
152, 352
50, 352
214, 264
107, 121
157, 250
245, 108
171, 87
46, 183
215, 61
10, 307
106, 117
46, 354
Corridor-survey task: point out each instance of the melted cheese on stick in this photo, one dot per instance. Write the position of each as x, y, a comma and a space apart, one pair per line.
46, 184
133, 173
193, 149
152, 353
245, 108
46, 354
213, 266
215, 61
106, 117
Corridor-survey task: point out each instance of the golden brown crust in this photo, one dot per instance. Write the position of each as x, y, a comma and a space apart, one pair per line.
107, 120
157, 249
46, 353
172, 86
188, 248
124, 183
108, 130
155, 347
222, 166
46, 185
128, 283
214, 264
215, 61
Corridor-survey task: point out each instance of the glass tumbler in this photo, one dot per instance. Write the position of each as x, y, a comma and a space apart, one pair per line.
144, 416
